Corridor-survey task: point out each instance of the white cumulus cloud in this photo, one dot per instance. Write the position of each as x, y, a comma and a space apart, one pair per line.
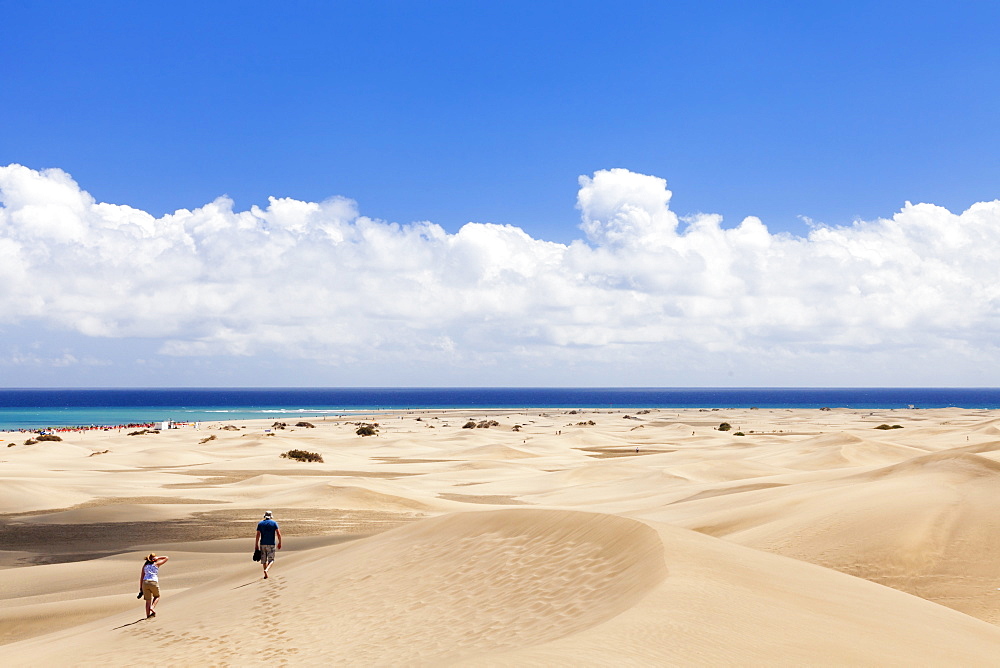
645, 288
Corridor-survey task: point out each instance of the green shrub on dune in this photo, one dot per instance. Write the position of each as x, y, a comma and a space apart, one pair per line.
303, 456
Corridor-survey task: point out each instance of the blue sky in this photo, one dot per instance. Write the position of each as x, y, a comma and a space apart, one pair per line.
458, 112
488, 112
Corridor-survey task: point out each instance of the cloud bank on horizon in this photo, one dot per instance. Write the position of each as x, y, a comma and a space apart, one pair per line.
320, 281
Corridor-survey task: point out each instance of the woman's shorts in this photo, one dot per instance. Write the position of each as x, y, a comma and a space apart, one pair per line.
150, 589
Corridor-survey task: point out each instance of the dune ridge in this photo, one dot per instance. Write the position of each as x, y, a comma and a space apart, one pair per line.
812, 539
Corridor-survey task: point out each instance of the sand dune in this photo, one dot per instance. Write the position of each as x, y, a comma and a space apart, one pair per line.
530, 587
812, 539
18, 494
496, 453
443, 589
924, 526
713, 469
843, 450
352, 497
725, 605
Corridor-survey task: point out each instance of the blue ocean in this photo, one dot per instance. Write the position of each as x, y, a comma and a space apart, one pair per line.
39, 408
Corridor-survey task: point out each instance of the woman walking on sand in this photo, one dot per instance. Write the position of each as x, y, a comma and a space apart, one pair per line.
149, 582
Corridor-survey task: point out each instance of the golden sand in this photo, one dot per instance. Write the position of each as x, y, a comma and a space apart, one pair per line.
812, 539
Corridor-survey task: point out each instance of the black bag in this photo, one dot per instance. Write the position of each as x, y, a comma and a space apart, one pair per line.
256, 555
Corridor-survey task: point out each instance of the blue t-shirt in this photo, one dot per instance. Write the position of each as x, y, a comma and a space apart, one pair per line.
267, 529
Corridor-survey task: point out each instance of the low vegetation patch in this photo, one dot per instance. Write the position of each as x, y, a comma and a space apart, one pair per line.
38, 438
588, 423
303, 456
143, 432
725, 426
307, 425
739, 433
206, 440
482, 424
365, 429
888, 426
230, 427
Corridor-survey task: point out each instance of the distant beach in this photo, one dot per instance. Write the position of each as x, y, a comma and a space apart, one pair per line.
41, 408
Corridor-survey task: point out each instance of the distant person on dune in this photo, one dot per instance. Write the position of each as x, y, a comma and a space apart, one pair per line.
149, 581
267, 534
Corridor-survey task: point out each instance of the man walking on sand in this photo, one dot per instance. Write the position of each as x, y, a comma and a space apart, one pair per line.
267, 532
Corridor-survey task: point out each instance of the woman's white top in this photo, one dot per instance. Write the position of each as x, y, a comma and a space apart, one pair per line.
150, 572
